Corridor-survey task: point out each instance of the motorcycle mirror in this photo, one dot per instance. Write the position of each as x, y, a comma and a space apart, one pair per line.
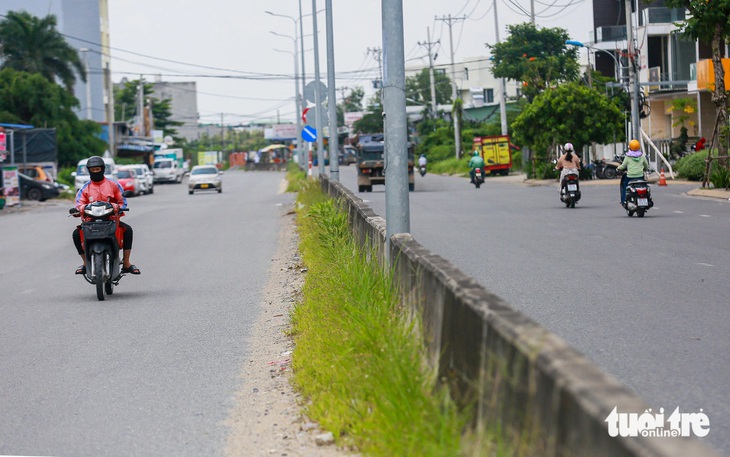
73, 211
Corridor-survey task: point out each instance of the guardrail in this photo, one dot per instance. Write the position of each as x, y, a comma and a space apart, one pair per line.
521, 379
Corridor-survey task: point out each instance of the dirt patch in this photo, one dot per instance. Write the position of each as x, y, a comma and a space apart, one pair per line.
267, 418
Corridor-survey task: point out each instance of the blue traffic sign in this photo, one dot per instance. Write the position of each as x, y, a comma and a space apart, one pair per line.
309, 134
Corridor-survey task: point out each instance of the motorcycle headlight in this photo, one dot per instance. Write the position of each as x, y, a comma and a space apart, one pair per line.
47, 186
98, 211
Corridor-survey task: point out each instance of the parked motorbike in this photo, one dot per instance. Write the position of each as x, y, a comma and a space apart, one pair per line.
570, 190
478, 178
101, 237
422, 170
607, 169
638, 198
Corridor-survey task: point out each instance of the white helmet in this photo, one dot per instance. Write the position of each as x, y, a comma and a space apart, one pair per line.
568, 147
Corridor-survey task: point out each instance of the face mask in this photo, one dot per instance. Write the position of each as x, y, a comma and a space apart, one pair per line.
96, 177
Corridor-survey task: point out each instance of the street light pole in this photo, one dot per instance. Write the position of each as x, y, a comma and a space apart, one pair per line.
633, 76
88, 82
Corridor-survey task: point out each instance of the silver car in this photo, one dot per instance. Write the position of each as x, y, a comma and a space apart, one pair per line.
146, 177
205, 177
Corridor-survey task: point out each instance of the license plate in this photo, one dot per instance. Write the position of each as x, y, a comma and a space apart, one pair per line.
203, 186
572, 187
643, 202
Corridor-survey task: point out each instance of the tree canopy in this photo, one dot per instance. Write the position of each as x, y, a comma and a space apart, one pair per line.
27, 98
536, 57
572, 113
33, 45
418, 88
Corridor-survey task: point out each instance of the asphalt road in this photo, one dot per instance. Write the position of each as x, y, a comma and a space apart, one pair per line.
153, 369
646, 299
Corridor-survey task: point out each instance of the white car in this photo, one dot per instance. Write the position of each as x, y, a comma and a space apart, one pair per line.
205, 177
81, 175
167, 170
145, 176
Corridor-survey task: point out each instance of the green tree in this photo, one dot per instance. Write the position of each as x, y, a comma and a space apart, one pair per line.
351, 103
33, 45
418, 88
708, 21
536, 57
125, 105
371, 122
27, 98
572, 113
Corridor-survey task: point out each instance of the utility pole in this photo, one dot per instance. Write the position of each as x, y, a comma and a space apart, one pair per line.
429, 45
454, 94
303, 163
397, 211
222, 136
88, 82
502, 84
633, 75
378, 56
334, 146
317, 95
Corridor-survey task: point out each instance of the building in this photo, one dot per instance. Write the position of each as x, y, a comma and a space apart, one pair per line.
184, 105
667, 66
85, 25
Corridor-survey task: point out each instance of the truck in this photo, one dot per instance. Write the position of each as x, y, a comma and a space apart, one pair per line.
168, 166
495, 150
371, 163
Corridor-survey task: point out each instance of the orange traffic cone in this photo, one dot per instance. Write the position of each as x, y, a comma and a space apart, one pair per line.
662, 179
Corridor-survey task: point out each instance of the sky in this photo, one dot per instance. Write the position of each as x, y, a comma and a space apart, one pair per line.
245, 73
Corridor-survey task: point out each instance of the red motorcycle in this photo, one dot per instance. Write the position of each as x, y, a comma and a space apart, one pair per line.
101, 236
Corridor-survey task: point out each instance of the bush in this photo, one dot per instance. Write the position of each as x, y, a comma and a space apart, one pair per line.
692, 167
720, 176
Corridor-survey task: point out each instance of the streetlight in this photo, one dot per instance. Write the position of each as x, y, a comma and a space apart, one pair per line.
591, 48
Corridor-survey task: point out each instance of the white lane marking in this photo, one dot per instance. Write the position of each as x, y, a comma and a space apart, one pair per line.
705, 264
679, 212
705, 215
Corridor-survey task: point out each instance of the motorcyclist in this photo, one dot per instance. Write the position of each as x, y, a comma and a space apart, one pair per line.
568, 163
635, 164
99, 188
475, 162
422, 160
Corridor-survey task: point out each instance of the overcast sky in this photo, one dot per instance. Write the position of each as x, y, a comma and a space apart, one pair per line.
227, 48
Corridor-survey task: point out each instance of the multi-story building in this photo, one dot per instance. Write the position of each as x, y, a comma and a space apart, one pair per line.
667, 64
85, 26
183, 105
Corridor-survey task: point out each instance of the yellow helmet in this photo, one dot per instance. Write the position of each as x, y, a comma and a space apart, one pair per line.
634, 145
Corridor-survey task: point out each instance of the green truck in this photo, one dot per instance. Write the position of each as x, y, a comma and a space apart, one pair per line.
371, 163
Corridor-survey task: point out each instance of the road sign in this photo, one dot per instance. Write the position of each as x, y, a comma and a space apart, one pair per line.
304, 114
310, 92
309, 134
324, 117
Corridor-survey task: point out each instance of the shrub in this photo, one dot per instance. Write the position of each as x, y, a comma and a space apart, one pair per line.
692, 167
720, 176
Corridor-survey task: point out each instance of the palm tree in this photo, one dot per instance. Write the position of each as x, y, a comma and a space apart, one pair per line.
33, 45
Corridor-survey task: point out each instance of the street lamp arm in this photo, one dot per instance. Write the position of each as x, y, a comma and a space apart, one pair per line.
582, 45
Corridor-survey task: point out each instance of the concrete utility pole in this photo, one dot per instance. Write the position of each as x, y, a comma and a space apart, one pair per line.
397, 211
88, 82
454, 93
317, 95
633, 75
502, 84
304, 158
334, 146
429, 45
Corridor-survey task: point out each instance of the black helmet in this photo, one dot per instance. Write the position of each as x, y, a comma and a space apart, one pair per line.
96, 161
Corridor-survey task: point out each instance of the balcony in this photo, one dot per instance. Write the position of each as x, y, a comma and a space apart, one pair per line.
611, 33
661, 15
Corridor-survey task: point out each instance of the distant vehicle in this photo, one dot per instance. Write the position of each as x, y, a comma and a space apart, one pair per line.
146, 177
81, 175
348, 155
35, 172
167, 170
205, 177
130, 182
35, 189
371, 165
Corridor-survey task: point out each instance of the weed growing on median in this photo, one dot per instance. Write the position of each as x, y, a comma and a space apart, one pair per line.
357, 358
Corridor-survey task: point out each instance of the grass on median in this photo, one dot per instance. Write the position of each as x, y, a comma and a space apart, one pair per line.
358, 359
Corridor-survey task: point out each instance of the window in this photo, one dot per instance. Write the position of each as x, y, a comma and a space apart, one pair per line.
489, 95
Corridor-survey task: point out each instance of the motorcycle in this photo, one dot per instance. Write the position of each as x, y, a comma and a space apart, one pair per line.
101, 237
570, 190
422, 170
638, 198
608, 169
478, 178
